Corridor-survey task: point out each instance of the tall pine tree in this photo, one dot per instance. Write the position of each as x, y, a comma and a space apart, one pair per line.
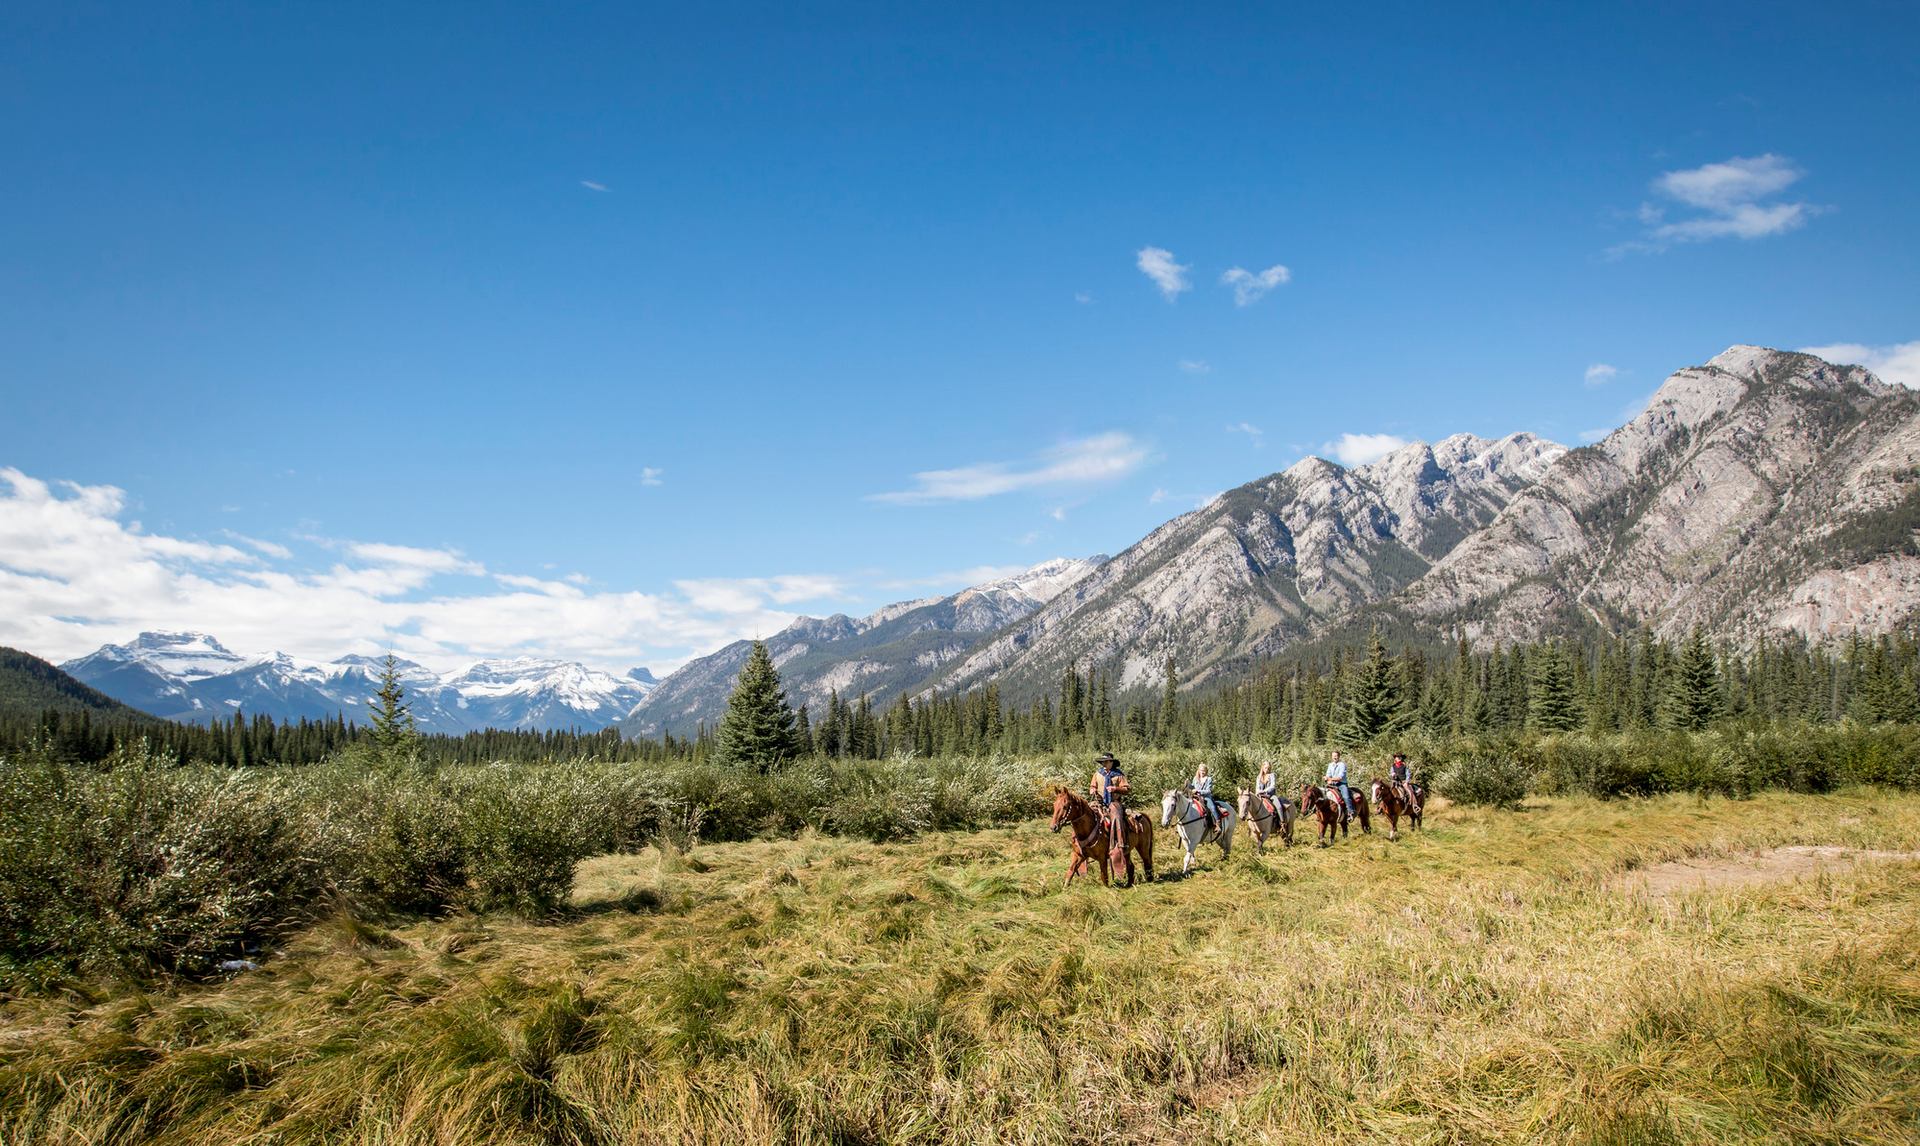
758, 728
394, 731
1693, 701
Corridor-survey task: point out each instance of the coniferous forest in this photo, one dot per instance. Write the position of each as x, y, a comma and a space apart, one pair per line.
1352, 697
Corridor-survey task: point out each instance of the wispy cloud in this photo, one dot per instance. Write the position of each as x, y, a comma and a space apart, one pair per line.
1599, 374
592, 186
1157, 264
1252, 431
1360, 449
1727, 200
270, 548
76, 573
1898, 363
412, 557
1083, 461
1084, 298
1249, 286
1591, 436
1195, 366
652, 475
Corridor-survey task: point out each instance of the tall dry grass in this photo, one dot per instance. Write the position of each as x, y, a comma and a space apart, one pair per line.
1489, 979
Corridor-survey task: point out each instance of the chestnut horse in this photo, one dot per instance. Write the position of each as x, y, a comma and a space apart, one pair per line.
1331, 812
1394, 803
1090, 837
1262, 822
1092, 843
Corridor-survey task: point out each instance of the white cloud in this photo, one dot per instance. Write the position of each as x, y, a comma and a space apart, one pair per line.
1248, 286
1599, 374
1728, 197
1084, 461
1591, 436
1084, 298
1359, 449
1058, 513
592, 186
1195, 366
652, 475
1898, 363
1252, 431
1029, 537
410, 557
1725, 186
76, 574
735, 595
1157, 264
270, 548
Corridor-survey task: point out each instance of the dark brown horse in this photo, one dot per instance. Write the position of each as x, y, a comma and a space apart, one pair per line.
1324, 808
1394, 802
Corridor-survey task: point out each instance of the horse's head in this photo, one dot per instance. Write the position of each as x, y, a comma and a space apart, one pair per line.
1063, 811
1170, 806
1377, 788
1246, 803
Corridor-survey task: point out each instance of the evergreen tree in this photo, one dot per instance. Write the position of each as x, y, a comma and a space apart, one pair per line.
1373, 704
758, 728
1693, 700
1552, 704
1170, 708
394, 731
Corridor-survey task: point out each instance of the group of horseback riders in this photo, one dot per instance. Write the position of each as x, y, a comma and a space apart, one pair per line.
1109, 788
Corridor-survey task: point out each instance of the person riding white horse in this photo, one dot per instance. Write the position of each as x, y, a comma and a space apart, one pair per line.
1266, 787
1202, 788
1336, 781
1183, 814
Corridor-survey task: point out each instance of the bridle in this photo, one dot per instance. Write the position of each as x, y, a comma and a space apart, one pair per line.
1191, 803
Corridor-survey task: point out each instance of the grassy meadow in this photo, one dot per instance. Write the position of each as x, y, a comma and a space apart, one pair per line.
1500, 976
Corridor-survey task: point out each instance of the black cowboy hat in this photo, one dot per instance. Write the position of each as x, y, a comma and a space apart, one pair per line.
1104, 757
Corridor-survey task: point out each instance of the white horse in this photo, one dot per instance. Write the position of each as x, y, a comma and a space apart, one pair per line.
1262, 824
1179, 812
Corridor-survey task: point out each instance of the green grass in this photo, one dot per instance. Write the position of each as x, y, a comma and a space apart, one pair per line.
1490, 979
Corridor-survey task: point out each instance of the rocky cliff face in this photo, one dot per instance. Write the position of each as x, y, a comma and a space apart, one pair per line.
1262, 565
1762, 491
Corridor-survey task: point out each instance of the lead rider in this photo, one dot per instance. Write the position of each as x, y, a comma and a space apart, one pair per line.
1109, 789
1336, 781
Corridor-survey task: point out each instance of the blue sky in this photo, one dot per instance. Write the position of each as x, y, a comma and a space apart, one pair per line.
445, 306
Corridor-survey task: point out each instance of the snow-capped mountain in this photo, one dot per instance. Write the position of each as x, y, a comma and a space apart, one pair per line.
193, 677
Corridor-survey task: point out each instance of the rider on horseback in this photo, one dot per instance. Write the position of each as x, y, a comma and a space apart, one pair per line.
1109, 789
1203, 796
1265, 787
1401, 773
1336, 781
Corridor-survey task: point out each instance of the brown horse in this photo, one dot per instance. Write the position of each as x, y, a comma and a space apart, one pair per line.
1090, 836
1394, 803
1326, 809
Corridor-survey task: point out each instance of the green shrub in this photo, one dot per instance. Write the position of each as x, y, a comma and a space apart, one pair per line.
145, 867
1493, 779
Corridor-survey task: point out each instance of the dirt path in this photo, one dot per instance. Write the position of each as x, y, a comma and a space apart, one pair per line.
1774, 865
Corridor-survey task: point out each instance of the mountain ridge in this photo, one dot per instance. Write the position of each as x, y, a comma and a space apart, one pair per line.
192, 677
